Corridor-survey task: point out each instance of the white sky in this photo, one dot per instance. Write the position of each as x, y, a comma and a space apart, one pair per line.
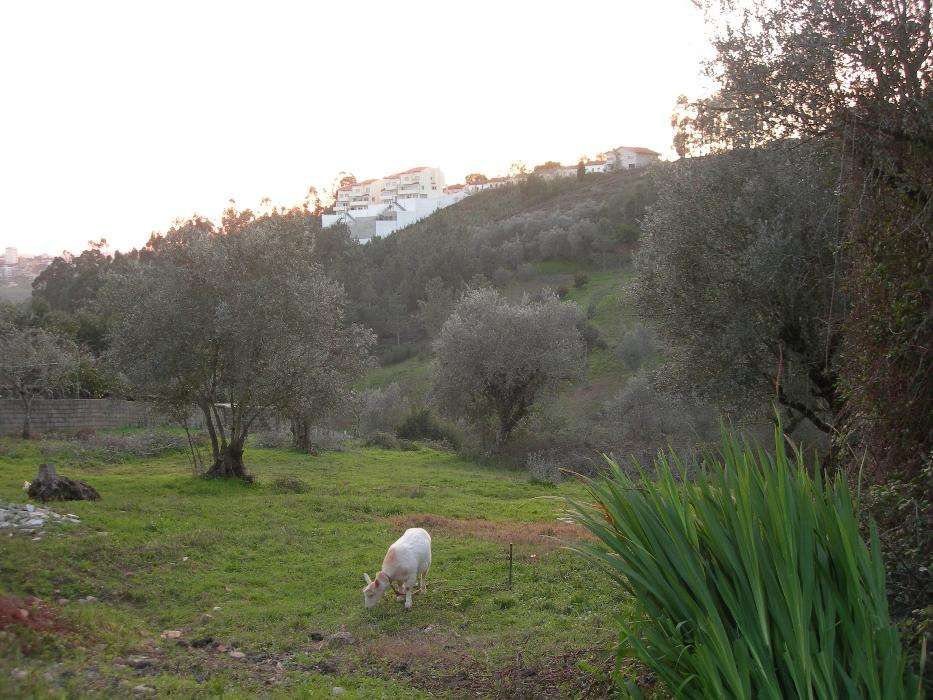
116, 118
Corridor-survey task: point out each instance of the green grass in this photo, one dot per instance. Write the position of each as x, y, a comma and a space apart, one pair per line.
260, 571
414, 373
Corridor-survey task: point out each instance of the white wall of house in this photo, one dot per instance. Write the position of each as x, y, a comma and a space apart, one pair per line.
380, 220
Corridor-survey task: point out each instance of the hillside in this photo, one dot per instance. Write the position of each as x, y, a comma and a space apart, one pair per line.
572, 236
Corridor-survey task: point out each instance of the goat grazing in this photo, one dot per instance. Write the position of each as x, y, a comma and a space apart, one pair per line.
405, 565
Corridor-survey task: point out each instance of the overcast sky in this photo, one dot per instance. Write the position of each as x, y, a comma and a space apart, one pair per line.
116, 118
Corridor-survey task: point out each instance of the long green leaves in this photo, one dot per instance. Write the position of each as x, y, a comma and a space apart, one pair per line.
750, 581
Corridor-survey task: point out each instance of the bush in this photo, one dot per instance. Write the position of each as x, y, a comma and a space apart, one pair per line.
382, 409
89, 446
751, 581
562, 291
637, 345
580, 280
544, 468
421, 424
387, 441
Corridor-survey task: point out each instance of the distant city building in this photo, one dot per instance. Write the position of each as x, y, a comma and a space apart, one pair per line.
11, 256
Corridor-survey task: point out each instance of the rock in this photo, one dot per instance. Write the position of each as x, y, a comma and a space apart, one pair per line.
341, 639
36, 522
49, 486
202, 642
138, 662
237, 654
171, 634
143, 690
19, 674
87, 599
30, 508
62, 601
327, 667
337, 690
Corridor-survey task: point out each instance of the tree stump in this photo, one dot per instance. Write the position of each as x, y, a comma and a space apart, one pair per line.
49, 486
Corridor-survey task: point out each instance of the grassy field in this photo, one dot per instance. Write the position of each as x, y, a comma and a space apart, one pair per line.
204, 588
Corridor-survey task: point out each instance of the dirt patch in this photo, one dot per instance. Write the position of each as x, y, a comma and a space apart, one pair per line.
29, 613
444, 662
542, 536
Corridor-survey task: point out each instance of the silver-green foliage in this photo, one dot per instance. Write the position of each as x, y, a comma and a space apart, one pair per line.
750, 581
495, 358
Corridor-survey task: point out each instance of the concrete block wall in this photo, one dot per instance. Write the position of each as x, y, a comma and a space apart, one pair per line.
71, 415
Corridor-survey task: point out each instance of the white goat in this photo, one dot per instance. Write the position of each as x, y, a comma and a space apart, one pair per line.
405, 565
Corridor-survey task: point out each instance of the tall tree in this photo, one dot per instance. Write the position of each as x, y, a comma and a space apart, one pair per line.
736, 272
859, 74
237, 321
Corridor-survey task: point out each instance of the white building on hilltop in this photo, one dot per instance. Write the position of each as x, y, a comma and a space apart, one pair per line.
376, 208
11, 257
629, 157
417, 183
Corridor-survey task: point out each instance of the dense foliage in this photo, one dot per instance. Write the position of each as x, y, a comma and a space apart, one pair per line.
737, 271
750, 581
495, 358
856, 74
240, 322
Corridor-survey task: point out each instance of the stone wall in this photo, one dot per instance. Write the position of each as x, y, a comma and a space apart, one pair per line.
71, 415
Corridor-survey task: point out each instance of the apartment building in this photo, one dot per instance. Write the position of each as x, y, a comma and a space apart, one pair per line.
376, 208
417, 183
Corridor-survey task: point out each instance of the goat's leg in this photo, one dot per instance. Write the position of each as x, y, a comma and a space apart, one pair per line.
422, 580
408, 600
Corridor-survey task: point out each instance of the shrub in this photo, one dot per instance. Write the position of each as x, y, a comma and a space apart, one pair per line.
387, 441
751, 581
562, 291
544, 468
580, 280
421, 424
89, 446
637, 345
382, 409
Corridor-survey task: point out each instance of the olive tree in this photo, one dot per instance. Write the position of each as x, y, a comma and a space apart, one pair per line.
495, 358
238, 321
858, 74
736, 272
33, 363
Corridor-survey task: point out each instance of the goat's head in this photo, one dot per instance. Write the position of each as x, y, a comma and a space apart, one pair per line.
375, 589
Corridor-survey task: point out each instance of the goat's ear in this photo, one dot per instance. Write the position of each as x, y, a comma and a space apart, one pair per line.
367, 579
